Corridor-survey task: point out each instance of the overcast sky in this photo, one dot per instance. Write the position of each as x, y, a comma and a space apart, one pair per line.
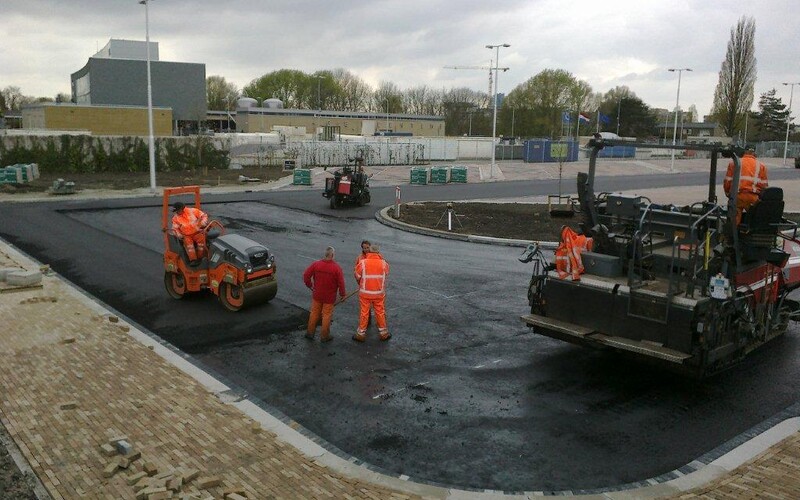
624, 42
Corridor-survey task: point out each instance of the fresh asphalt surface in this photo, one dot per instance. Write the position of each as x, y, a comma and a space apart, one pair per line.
463, 394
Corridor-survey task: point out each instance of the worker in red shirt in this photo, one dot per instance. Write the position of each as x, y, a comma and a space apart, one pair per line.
371, 273
752, 180
324, 277
189, 225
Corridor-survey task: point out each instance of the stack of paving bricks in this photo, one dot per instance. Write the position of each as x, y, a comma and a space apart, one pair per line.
440, 175
419, 175
19, 173
73, 376
458, 174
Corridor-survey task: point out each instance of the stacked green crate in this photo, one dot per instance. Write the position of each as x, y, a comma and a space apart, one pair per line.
419, 175
458, 174
439, 175
10, 175
302, 177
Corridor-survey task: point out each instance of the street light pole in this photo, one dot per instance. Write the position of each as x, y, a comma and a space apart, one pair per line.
619, 108
677, 106
788, 120
151, 142
494, 96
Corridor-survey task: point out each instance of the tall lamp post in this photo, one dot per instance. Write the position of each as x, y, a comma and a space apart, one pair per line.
677, 106
494, 96
151, 143
788, 119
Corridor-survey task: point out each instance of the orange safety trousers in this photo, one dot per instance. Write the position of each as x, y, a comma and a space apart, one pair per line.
376, 303
320, 311
743, 202
189, 243
568, 253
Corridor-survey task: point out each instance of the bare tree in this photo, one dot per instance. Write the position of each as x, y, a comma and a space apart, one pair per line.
737, 77
14, 99
353, 94
220, 94
387, 99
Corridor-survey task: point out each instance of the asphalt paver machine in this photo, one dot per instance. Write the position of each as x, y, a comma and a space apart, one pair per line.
348, 186
686, 287
238, 270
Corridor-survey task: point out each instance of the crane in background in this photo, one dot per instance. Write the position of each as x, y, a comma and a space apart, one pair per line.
489, 67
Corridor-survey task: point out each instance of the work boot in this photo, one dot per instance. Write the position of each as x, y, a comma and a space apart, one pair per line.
359, 337
386, 336
309, 335
326, 339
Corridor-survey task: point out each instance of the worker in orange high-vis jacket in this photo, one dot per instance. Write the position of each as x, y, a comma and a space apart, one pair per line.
371, 273
568, 253
189, 225
752, 180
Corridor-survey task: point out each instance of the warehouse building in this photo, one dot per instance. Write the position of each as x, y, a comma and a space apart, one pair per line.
98, 120
263, 119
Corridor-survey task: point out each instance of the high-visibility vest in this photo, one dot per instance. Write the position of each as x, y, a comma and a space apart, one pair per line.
752, 177
568, 253
371, 273
189, 221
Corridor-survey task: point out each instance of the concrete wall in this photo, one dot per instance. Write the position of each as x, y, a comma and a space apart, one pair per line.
99, 120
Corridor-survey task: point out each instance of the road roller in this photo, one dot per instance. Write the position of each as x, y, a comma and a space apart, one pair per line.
238, 270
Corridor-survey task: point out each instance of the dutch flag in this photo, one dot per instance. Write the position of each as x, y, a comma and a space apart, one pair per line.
583, 117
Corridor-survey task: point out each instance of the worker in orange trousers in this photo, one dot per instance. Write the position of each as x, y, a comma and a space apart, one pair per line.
371, 273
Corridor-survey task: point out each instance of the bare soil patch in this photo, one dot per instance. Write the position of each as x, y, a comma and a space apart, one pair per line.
14, 485
522, 221
133, 180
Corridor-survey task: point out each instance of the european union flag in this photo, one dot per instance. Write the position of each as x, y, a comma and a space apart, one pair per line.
566, 118
605, 119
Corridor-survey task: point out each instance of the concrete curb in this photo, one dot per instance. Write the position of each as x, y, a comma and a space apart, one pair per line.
384, 218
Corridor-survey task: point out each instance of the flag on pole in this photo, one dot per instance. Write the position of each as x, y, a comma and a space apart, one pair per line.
605, 119
565, 118
583, 117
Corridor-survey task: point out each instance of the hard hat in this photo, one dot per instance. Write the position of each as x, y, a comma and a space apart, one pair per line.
177, 206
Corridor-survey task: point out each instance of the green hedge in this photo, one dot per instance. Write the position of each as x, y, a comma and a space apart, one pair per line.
86, 154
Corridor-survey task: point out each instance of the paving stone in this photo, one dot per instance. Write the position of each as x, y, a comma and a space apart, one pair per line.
175, 483
135, 478
110, 469
116, 439
108, 450
23, 278
189, 475
145, 493
207, 482
150, 468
